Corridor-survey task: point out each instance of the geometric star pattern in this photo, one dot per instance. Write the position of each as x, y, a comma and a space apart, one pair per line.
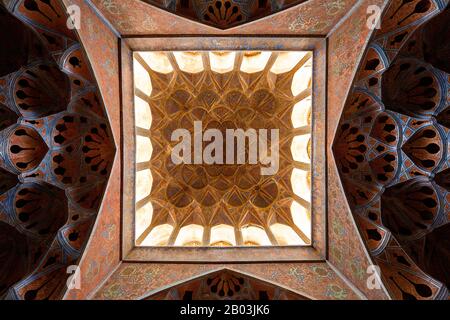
223, 204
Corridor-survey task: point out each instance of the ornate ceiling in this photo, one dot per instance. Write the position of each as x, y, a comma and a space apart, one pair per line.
62, 144
392, 149
56, 153
223, 204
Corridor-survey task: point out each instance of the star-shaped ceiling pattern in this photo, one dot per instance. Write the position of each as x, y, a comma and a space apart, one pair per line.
221, 204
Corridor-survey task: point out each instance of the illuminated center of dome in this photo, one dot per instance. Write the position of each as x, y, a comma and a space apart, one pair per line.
229, 204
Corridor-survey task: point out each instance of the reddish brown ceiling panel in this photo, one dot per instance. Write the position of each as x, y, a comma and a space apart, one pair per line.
312, 17
308, 280
225, 285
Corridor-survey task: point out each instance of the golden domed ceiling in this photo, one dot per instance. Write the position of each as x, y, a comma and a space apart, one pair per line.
227, 202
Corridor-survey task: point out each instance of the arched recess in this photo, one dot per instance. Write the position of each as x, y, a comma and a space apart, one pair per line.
394, 163
56, 149
224, 284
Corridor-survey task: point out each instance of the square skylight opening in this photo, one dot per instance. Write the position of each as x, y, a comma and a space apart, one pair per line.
198, 204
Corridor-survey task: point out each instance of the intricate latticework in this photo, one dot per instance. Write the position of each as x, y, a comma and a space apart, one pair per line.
225, 285
392, 149
56, 150
224, 14
222, 204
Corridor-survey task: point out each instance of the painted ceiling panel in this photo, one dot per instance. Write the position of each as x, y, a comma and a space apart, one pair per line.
224, 14
135, 17
388, 171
